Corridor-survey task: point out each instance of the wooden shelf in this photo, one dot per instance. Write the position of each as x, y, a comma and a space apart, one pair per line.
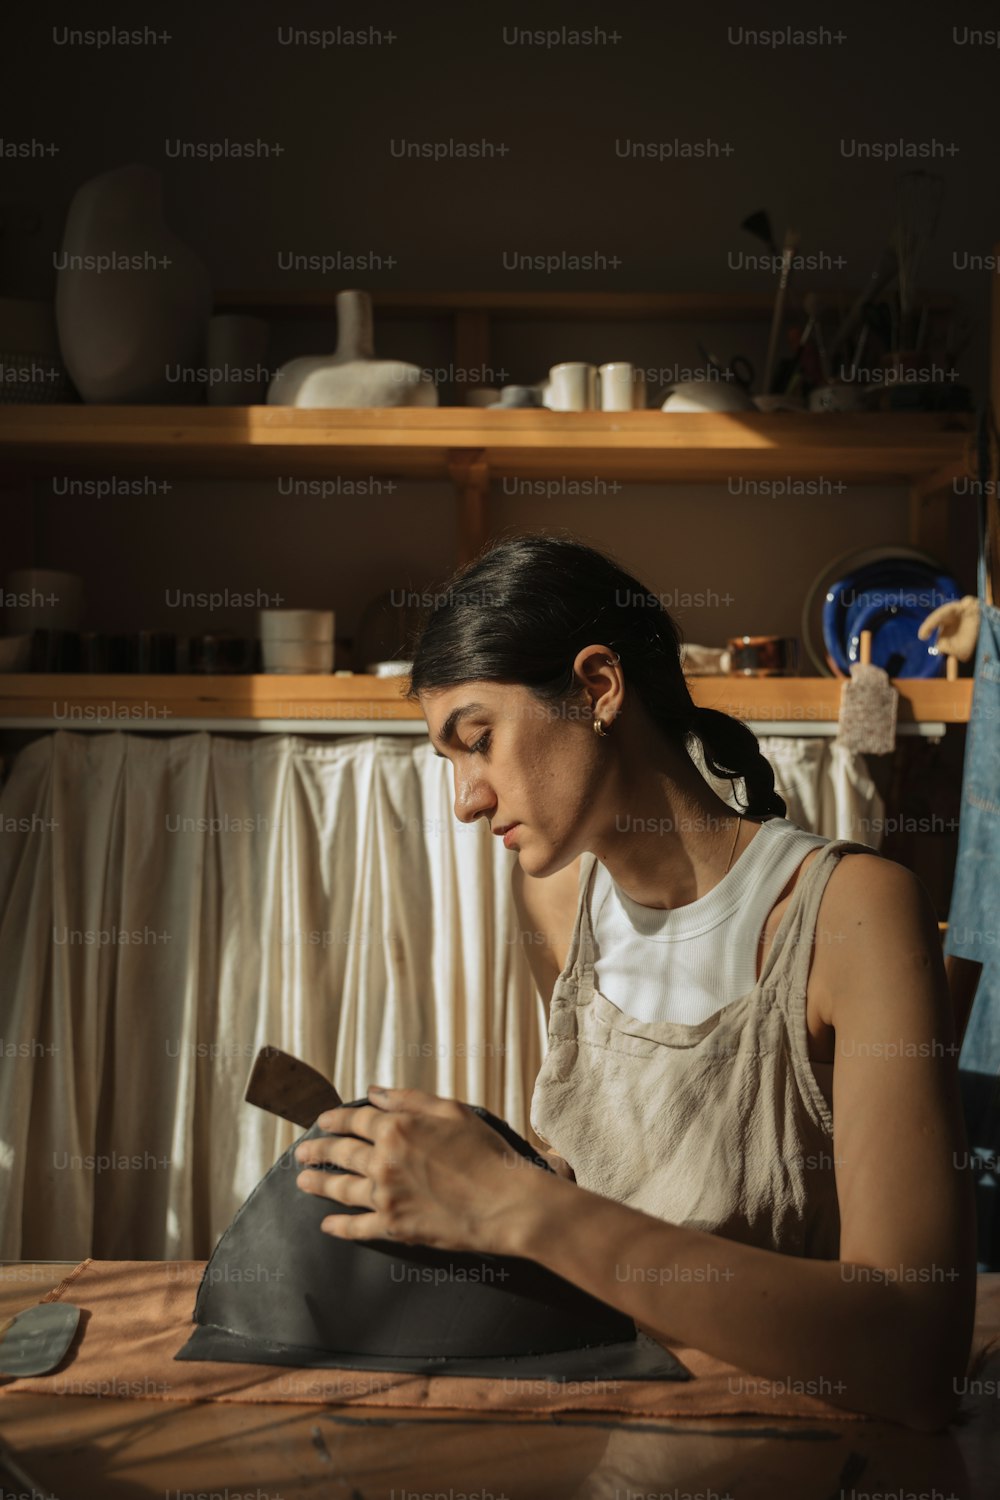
442, 442
557, 306
75, 700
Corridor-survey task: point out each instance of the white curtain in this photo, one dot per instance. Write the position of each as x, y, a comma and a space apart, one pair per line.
170, 905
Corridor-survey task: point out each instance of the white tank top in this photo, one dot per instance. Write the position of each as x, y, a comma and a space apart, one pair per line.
687, 963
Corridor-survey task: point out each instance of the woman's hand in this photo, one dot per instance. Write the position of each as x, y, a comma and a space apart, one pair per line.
429, 1169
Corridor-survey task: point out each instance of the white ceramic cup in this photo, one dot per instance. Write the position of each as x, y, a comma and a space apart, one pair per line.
42, 599
572, 387
617, 386
297, 656
296, 625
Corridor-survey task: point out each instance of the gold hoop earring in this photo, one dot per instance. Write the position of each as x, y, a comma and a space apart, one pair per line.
599, 729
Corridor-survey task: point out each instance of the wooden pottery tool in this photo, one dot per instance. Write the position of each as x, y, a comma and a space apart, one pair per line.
36, 1340
868, 706
787, 254
812, 305
880, 283
286, 1086
919, 199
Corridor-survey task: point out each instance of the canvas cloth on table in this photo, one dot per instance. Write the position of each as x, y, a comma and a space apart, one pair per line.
137, 1314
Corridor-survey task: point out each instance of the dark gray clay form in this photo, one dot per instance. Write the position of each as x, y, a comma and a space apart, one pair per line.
278, 1291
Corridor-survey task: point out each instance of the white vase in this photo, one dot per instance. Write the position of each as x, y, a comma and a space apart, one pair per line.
132, 301
352, 376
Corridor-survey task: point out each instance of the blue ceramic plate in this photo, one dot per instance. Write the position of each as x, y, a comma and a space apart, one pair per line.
891, 598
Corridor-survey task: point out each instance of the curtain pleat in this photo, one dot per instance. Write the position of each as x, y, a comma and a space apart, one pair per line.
170, 905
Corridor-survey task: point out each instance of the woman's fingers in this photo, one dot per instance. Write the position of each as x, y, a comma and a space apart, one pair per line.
338, 1151
342, 1187
424, 1170
353, 1192
359, 1119
417, 1102
357, 1227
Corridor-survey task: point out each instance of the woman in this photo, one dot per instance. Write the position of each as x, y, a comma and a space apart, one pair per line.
723, 988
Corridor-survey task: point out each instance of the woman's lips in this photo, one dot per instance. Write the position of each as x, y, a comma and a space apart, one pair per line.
510, 834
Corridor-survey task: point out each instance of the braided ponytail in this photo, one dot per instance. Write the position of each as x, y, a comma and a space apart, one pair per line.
732, 750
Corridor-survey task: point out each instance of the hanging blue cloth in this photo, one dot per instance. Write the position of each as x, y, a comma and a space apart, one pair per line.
974, 918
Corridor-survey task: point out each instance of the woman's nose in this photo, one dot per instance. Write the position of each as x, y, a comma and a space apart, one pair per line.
472, 798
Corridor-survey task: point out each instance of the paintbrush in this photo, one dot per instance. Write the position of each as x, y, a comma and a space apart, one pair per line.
811, 303
882, 279
759, 225
919, 200
787, 253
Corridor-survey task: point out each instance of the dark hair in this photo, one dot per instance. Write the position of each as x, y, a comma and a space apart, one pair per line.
522, 609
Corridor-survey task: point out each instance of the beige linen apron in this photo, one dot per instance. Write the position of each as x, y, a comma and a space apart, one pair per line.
725, 1126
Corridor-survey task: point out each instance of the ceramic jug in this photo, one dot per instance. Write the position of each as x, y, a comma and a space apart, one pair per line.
351, 376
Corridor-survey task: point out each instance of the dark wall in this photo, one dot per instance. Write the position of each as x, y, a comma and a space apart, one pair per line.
787, 121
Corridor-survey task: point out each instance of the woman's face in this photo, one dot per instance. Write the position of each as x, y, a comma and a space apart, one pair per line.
519, 761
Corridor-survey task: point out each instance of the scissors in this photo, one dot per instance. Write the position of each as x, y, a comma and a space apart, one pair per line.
739, 370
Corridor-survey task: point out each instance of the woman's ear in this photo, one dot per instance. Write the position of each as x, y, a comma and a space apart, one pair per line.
598, 670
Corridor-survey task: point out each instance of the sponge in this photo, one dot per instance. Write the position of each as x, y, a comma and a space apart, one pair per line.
868, 706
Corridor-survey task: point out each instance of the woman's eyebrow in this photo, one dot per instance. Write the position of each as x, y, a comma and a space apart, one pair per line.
455, 718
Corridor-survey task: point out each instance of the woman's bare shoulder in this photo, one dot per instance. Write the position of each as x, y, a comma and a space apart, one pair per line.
860, 879
874, 914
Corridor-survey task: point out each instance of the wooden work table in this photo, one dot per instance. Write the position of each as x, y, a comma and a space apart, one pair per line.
77, 1447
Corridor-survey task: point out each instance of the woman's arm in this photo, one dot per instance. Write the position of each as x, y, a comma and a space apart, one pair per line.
886, 1329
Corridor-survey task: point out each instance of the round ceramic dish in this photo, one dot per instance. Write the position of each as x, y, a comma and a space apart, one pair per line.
811, 633
890, 598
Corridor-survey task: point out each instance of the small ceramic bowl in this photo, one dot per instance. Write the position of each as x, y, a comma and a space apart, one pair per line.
296, 624
707, 395
389, 668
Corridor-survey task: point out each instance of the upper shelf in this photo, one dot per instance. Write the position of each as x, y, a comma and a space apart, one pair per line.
676, 307
429, 442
